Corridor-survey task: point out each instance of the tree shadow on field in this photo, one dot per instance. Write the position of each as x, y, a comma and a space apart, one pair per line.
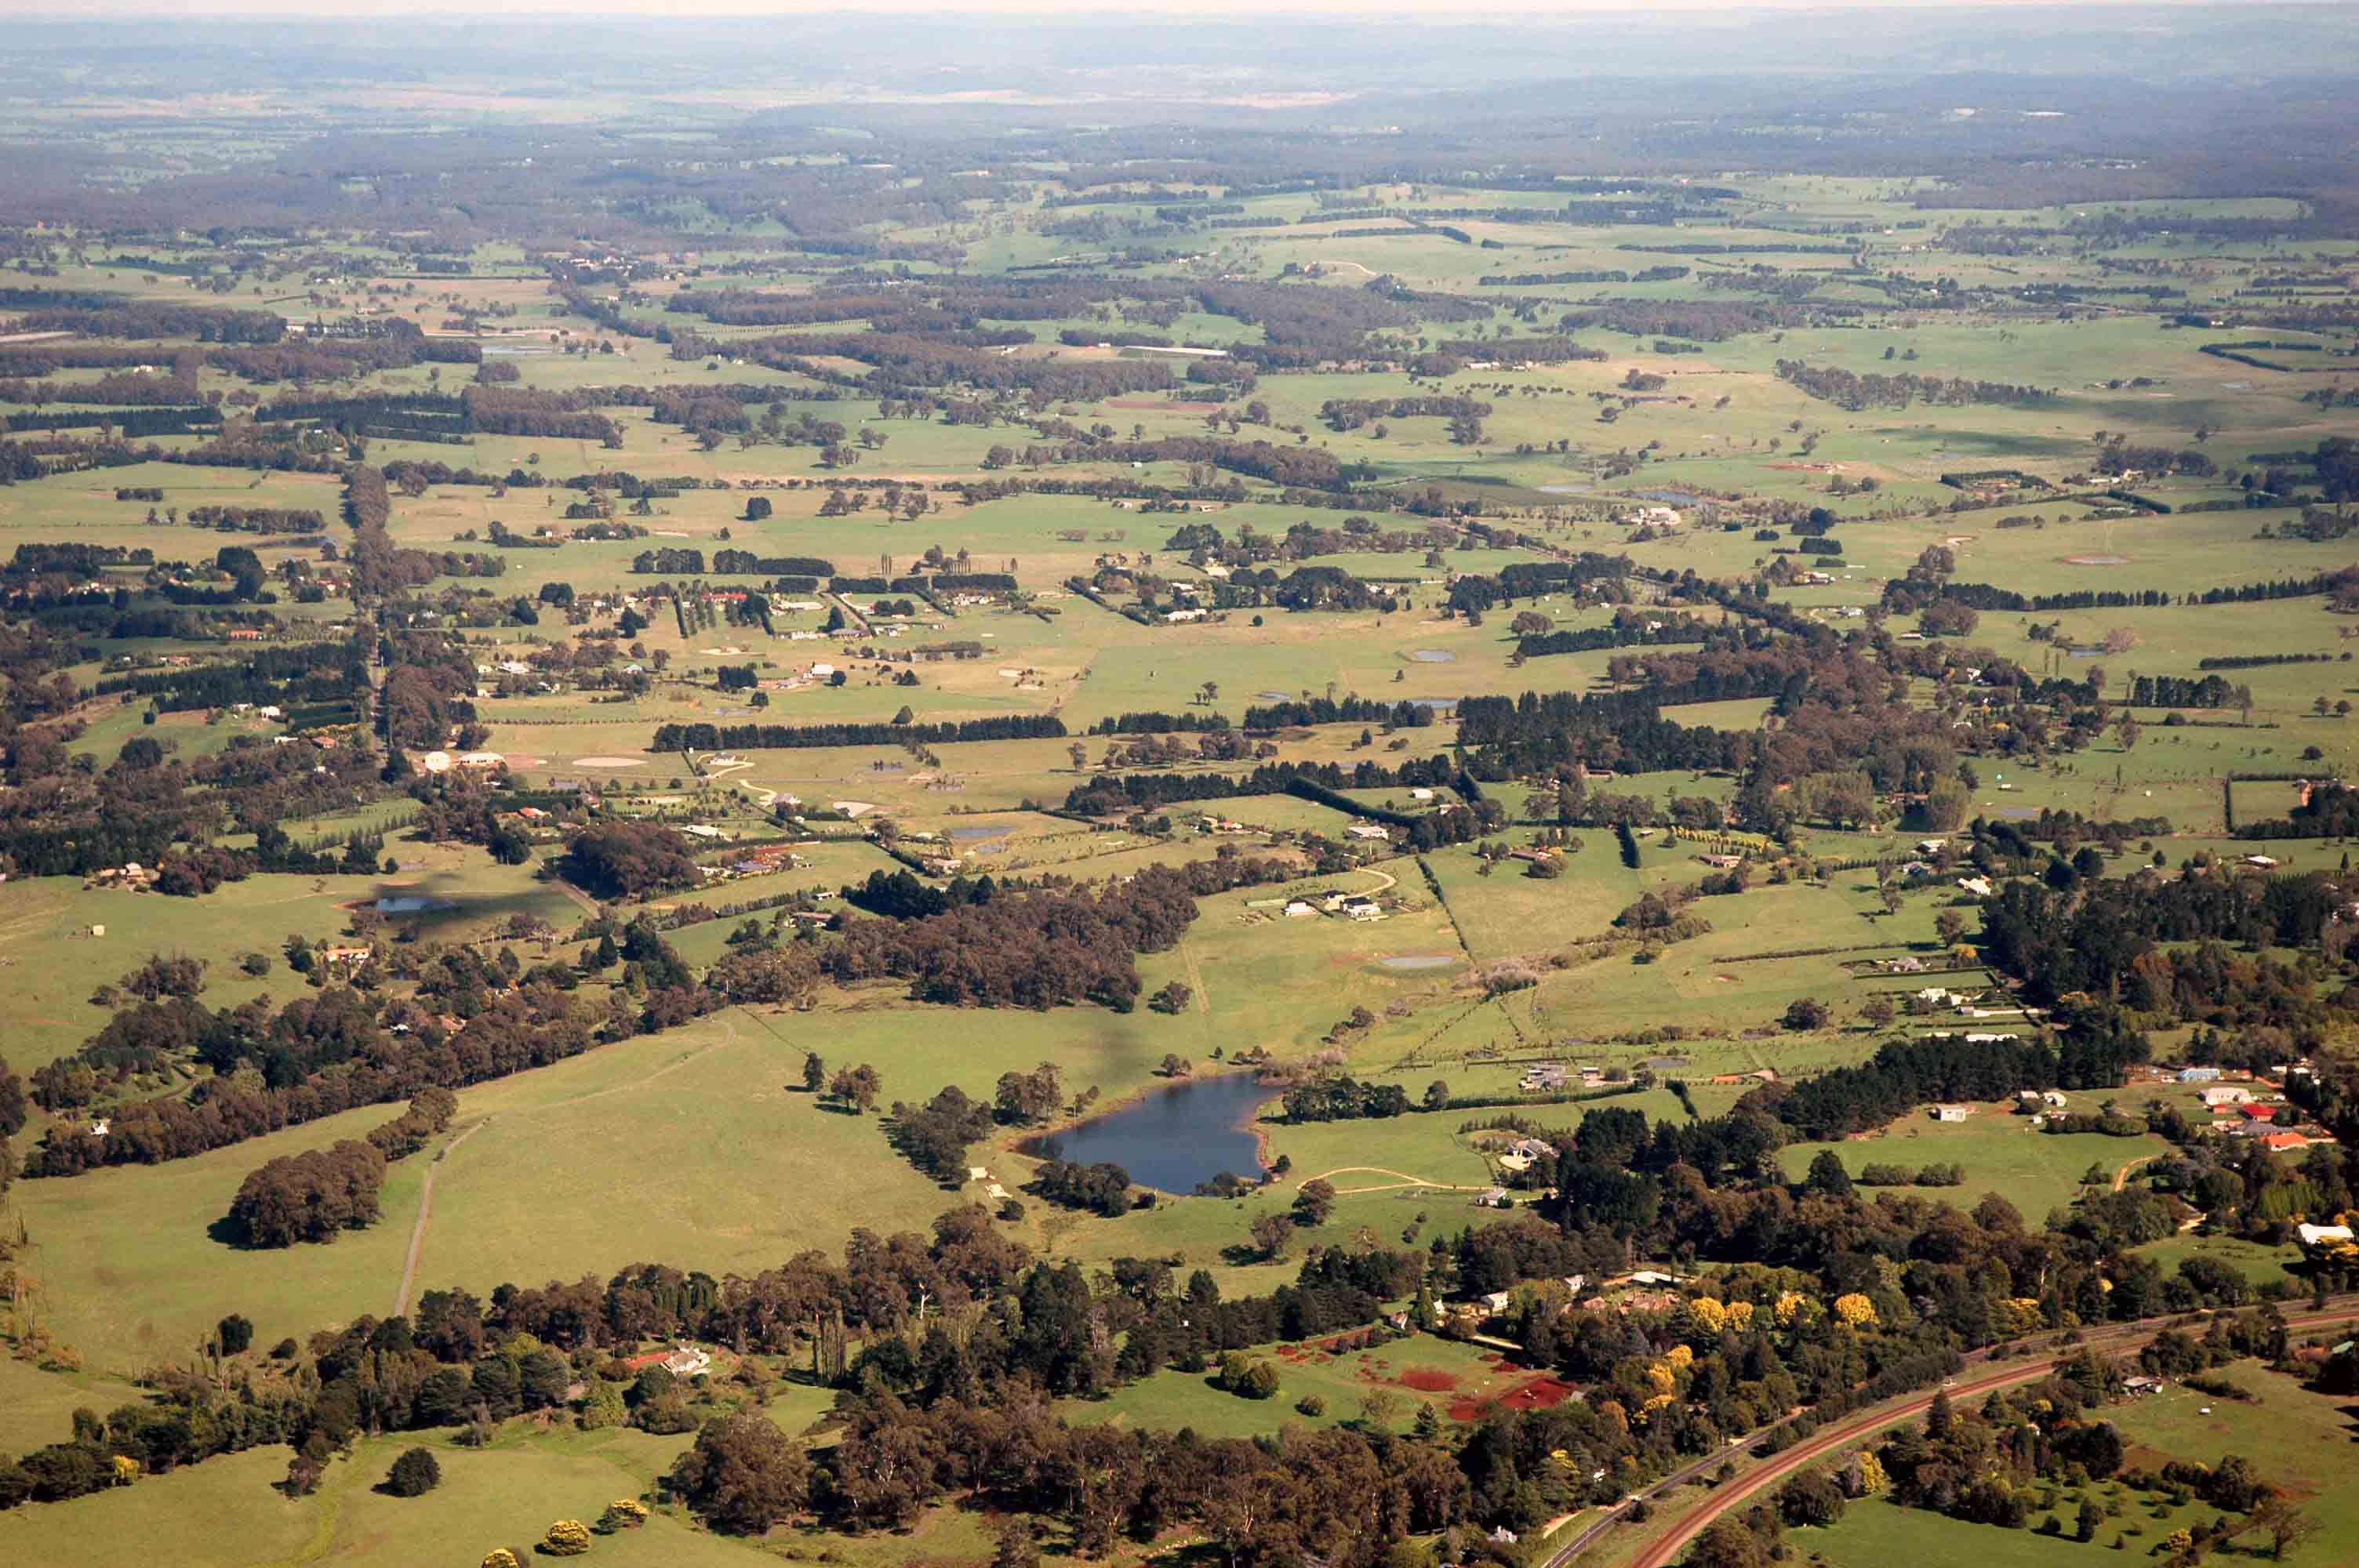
229, 1232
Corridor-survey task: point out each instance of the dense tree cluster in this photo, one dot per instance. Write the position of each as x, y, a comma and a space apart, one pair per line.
628, 860
311, 1197
781, 737
1038, 949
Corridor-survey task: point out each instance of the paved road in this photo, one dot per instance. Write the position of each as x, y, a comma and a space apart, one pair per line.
1976, 1380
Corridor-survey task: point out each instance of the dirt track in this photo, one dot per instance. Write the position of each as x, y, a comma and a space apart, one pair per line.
425, 1213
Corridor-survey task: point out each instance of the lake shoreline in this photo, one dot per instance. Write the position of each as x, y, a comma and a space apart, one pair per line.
1029, 1145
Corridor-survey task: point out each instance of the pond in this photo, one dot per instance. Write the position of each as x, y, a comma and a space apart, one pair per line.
1433, 656
1671, 497
1173, 1138
408, 904
1417, 961
978, 830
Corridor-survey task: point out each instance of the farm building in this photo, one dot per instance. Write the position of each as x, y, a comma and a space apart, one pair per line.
1953, 1112
2199, 1075
2226, 1094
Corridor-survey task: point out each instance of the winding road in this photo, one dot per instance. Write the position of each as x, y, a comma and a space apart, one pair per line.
1406, 1181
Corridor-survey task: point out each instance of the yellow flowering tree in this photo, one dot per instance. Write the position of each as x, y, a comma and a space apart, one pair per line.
1740, 1315
500, 1557
566, 1538
2020, 1314
1710, 1316
623, 1513
1855, 1311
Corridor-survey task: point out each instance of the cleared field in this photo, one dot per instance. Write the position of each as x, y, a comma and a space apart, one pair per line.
2038, 1171
1409, 1373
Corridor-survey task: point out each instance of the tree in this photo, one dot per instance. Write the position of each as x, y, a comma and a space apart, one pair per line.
414, 1475
1827, 1176
623, 1513
1016, 1547
12, 1102
1173, 999
2091, 1516
235, 1334
1879, 1011
1949, 926
814, 1072
744, 1474
2288, 1527
566, 1538
1726, 1543
1946, 804
858, 1086
603, 1408
1175, 1066
1810, 1499
1272, 1234
1314, 1202
1806, 1013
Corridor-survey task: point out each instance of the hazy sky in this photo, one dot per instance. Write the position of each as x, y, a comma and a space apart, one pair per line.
1065, 10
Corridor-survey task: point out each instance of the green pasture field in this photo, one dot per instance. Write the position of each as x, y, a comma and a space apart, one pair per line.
2256, 1262
52, 963
37, 1407
225, 1512
2036, 1171
712, 1097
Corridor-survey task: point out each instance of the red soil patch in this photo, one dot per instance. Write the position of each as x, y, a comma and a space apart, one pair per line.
1464, 1409
1429, 1380
1539, 1394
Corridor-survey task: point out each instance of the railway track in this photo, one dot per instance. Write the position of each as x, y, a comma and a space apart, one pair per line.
1983, 1376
